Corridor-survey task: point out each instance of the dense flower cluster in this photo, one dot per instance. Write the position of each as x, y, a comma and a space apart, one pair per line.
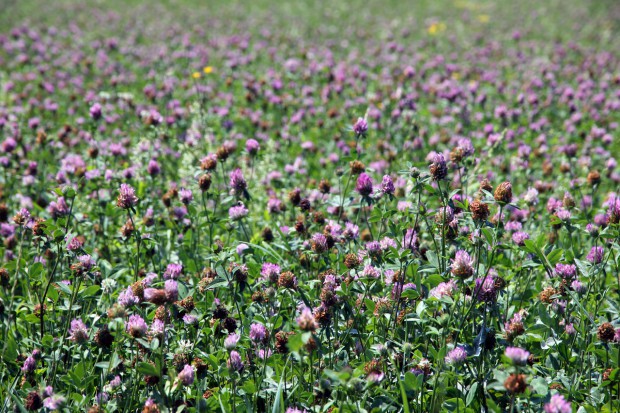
264, 209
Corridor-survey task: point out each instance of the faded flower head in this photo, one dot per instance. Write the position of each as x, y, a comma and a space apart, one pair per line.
439, 167
306, 320
503, 193
78, 331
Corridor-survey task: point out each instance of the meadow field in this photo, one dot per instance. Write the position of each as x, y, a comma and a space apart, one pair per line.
310, 206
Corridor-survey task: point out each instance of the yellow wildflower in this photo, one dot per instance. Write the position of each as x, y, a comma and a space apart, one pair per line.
436, 28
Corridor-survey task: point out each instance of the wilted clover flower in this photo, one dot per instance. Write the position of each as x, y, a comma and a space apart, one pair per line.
558, 404
22, 217
209, 162
515, 383
517, 355
462, 265
306, 320
126, 197
319, 243
606, 332
503, 193
438, 168
479, 210
33, 401
515, 327
456, 356
150, 406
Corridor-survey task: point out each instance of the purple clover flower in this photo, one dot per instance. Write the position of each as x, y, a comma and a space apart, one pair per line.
360, 127
186, 376
456, 356
595, 256
136, 327
364, 185
558, 404
517, 355
127, 197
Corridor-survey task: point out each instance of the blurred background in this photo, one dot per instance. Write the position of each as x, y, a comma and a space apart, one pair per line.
456, 23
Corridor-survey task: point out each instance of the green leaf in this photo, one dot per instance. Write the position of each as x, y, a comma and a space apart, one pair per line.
471, 394
403, 395
64, 288
554, 256
540, 386
147, 369
278, 406
90, 291
295, 342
